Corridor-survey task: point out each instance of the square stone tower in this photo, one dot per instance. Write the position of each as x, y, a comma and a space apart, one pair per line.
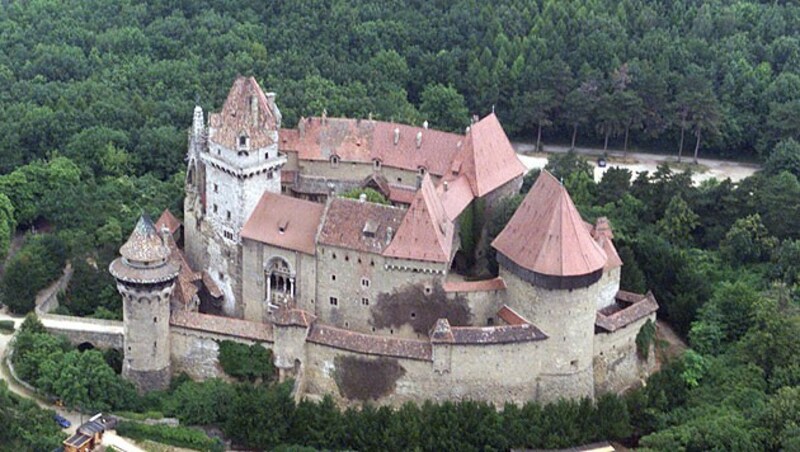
231, 164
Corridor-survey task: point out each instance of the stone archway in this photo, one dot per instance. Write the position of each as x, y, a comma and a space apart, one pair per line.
279, 281
82, 347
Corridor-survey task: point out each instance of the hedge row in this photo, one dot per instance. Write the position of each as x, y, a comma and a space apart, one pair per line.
174, 436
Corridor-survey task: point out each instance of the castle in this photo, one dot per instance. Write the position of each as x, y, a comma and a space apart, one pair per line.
360, 300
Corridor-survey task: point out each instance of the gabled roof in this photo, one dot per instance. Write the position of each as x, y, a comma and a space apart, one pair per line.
361, 226
426, 234
456, 194
603, 234
489, 160
285, 222
168, 220
365, 141
547, 236
247, 111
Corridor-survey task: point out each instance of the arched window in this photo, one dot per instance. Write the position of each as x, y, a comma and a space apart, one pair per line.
334, 161
279, 281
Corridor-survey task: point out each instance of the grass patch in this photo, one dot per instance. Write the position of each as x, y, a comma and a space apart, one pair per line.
174, 436
140, 416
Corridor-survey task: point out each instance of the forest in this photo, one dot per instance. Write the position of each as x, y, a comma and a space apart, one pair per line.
96, 98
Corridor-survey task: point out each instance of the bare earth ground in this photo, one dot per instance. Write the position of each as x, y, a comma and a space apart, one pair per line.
668, 343
638, 162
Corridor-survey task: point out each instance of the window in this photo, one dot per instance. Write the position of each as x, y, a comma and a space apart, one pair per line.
490, 321
422, 170
372, 263
229, 214
266, 155
413, 315
428, 290
334, 256
334, 161
334, 301
155, 319
333, 277
346, 258
216, 188
215, 208
270, 175
221, 276
228, 235
365, 301
376, 164
364, 282
242, 140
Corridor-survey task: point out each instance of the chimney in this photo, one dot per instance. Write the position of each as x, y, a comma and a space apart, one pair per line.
419, 139
324, 116
445, 185
466, 131
362, 197
475, 119
389, 235
425, 125
301, 126
396, 135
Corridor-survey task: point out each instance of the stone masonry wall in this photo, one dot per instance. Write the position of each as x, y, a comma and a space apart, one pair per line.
617, 365
568, 318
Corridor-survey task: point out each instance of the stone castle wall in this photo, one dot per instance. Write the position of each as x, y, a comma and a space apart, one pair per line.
617, 364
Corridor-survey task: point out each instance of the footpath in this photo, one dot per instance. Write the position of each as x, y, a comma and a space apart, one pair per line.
638, 162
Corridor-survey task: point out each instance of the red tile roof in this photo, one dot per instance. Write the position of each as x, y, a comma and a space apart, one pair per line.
401, 193
356, 140
475, 286
603, 234
145, 243
426, 233
293, 317
168, 220
489, 160
211, 286
369, 344
546, 234
186, 286
629, 308
503, 334
239, 116
357, 225
226, 326
285, 222
511, 316
456, 197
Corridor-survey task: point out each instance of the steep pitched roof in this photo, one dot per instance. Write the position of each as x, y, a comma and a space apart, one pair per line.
426, 234
283, 221
360, 226
168, 220
603, 234
546, 235
248, 111
489, 160
456, 194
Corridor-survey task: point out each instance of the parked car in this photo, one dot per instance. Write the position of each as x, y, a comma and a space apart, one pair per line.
61, 421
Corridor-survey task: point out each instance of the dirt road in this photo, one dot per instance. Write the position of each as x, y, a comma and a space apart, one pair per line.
638, 162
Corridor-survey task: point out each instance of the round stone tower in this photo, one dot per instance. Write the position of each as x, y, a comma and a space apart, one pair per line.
145, 279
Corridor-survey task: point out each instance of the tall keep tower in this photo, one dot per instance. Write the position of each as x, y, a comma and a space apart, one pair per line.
145, 279
231, 164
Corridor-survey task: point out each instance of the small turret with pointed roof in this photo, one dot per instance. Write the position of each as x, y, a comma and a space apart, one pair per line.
146, 277
144, 257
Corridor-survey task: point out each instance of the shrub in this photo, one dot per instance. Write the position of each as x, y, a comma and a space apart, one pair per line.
174, 436
7, 326
246, 362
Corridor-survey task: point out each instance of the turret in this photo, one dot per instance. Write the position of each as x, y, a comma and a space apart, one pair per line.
145, 279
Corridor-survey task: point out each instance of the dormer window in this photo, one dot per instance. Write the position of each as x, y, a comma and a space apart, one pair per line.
282, 225
422, 170
376, 165
334, 161
243, 143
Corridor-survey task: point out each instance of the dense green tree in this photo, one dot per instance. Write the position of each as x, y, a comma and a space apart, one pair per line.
444, 108
678, 222
785, 157
747, 241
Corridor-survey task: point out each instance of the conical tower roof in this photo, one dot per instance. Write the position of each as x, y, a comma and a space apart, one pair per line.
547, 236
145, 256
144, 243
